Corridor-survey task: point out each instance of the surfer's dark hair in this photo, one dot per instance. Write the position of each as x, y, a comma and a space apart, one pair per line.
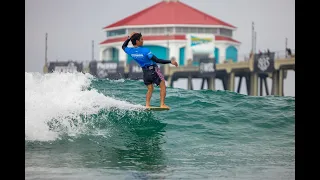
135, 37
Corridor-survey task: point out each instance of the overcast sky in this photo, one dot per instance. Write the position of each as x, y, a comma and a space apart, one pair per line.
72, 25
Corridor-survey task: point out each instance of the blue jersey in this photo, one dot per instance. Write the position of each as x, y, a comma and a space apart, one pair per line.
141, 55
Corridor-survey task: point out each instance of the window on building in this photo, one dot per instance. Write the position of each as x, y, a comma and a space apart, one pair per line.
211, 30
201, 30
226, 32
178, 29
155, 30
162, 30
116, 32
186, 30
147, 30
169, 30
207, 30
194, 30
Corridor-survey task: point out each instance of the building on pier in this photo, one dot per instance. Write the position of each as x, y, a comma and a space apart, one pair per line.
165, 27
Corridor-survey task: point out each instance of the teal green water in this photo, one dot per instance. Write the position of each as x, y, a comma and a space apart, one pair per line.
206, 135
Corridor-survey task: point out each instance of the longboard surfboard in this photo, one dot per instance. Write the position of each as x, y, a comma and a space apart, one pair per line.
153, 108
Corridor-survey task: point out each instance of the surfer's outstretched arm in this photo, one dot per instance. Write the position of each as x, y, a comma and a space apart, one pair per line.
161, 61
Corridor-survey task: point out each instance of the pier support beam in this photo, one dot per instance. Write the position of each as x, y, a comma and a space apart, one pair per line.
225, 82
211, 83
261, 86
202, 83
266, 86
231, 81
277, 83
248, 81
254, 84
190, 82
239, 84
281, 73
275, 78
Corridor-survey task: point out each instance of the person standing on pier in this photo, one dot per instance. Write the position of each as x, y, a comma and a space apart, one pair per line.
148, 62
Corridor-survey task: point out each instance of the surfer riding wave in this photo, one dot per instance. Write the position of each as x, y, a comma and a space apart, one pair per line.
148, 62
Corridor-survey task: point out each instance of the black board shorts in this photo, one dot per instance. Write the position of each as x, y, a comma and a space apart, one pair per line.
152, 75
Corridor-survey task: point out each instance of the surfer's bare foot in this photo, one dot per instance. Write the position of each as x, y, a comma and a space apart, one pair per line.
147, 106
164, 106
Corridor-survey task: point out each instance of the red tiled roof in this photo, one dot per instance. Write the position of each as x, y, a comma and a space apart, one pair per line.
164, 37
169, 13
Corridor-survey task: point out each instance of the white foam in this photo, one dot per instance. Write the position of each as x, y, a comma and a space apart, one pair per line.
61, 96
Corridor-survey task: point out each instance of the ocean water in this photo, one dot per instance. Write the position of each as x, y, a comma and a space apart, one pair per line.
78, 127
